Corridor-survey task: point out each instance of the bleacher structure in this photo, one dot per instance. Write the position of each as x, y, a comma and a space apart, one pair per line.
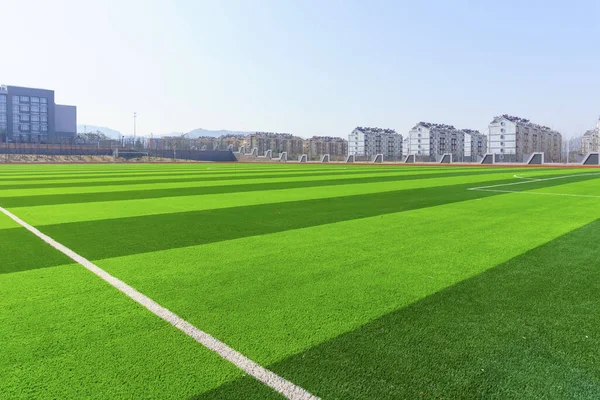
446, 158
282, 157
378, 158
268, 154
535, 159
488, 158
303, 158
325, 158
350, 158
591, 159
241, 150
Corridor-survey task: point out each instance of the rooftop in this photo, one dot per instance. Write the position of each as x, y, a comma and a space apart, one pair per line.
365, 129
431, 125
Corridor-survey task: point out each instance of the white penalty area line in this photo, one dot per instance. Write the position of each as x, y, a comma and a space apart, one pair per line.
269, 378
492, 188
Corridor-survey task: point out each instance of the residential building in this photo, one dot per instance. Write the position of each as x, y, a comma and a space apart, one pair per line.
316, 146
29, 115
369, 142
590, 142
475, 145
431, 141
276, 142
515, 138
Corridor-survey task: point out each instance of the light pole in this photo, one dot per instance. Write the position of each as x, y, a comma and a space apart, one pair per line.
134, 127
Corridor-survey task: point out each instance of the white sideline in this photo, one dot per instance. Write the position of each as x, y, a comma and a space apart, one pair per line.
491, 188
269, 378
531, 181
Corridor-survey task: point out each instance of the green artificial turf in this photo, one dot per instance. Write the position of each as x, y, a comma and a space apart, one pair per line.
351, 281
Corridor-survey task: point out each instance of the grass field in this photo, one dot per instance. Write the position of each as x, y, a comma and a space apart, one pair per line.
352, 282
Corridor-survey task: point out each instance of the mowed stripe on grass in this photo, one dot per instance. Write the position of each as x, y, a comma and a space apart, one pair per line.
321, 268
274, 381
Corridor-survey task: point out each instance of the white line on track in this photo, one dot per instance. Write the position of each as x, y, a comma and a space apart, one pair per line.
269, 378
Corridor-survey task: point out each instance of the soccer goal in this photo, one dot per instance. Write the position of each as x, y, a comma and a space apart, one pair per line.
535, 159
591, 159
378, 158
351, 158
303, 158
325, 158
410, 159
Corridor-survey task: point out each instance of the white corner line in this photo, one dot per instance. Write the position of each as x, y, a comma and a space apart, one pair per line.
269, 378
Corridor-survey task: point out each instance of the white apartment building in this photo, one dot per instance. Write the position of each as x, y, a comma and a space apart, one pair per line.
372, 141
475, 145
515, 138
434, 140
590, 142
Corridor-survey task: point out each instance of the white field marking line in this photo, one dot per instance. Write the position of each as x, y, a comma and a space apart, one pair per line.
531, 181
542, 193
269, 378
521, 177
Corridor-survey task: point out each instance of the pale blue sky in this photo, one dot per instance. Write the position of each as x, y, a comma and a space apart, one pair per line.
308, 67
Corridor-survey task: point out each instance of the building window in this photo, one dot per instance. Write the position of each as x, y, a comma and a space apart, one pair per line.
3, 98
15, 119
15, 108
35, 118
24, 108
24, 99
3, 118
501, 143
2, 108
24, 127
44, 109
502, 130
44, 128
15, 100
43, 100
502, 123
501, 150
501, 136
43, 118
24, 118
35, 109
35, 128
35, 99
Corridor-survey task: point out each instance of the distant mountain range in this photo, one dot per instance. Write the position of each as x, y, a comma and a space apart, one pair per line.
111, 133
196, 133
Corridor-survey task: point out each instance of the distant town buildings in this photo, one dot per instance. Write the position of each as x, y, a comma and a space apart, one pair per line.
590, 142
276, 142
431, 141
515, 138
317, 146
369, 142
29, 115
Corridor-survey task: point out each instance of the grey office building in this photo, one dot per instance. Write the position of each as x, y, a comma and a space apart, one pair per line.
30, 115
